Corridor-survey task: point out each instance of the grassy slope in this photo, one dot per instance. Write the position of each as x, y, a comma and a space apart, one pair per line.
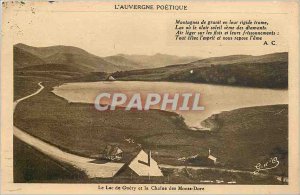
268, 75
32, 166
268, 71
26, 79
88, 130
250, 135
23, 58
265, 75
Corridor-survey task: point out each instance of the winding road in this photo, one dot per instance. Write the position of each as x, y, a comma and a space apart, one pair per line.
92, 170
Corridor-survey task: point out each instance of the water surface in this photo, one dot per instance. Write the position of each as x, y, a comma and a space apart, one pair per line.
214, 98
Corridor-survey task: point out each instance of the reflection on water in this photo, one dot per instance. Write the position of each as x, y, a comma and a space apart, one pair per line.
214, 98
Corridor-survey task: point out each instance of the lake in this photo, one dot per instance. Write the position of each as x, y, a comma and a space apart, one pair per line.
214, 98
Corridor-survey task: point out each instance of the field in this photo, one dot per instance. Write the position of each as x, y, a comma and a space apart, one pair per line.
31, 166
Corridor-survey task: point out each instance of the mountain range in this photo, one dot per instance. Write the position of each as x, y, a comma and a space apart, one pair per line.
83, 61
159, 60
67, 62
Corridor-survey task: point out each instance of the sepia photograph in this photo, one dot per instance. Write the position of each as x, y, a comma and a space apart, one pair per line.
156, 97
244, 122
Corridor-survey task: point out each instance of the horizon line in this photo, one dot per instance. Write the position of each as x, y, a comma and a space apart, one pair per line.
139, 54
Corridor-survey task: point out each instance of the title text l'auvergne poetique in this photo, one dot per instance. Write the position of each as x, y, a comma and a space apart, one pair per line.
167, 7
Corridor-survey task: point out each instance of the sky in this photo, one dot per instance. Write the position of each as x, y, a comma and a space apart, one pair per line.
103, 31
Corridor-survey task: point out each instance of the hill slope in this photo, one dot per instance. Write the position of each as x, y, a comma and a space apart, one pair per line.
269, 71
158, 60
23, 58
25, 55
274, 57
123, 61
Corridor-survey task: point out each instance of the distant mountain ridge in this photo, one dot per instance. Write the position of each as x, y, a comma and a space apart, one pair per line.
159, 60
274, 57
25, 56
123, 61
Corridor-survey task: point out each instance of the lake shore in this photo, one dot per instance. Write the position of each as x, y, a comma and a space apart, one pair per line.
214, 99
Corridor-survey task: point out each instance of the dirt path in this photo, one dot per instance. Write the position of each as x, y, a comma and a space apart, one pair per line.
91, 169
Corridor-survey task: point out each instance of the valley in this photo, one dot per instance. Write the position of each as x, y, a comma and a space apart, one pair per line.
258, 131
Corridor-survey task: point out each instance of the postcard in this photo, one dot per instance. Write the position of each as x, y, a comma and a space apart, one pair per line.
150, 97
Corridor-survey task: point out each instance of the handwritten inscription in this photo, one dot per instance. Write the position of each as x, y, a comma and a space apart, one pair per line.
272, 163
